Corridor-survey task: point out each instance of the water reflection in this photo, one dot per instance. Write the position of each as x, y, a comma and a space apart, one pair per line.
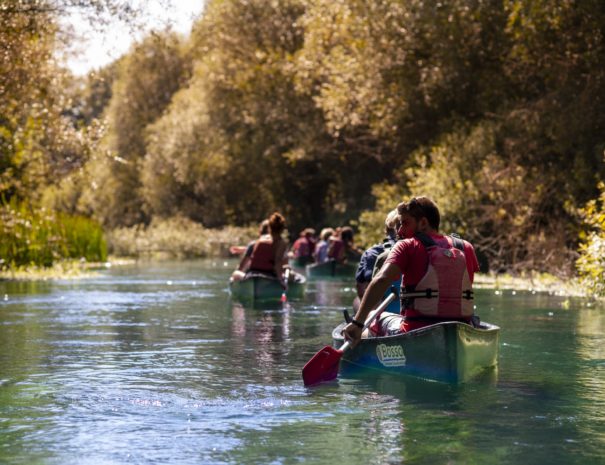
155, 364
590, 327
263, 333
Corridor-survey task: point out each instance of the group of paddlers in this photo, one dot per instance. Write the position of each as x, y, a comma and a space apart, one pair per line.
269, 253
332, 244
433, 272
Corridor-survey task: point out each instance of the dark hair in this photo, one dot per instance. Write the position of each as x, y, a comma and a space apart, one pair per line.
346, 234
421, 207
277, 223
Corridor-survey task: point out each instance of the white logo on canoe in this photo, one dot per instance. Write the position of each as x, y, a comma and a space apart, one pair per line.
390, 356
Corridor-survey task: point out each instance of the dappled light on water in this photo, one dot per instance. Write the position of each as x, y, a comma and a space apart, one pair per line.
157, 364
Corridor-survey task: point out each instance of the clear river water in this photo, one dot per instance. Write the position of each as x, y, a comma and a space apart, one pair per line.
155, 364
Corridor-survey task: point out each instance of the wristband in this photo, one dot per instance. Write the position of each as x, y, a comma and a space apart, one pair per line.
359, 324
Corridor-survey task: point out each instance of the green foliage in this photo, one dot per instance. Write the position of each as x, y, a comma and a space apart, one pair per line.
146, 80
371, 222
591, 264
321, 109
484, 194
40, 237
27, 99
232, 146
177, 237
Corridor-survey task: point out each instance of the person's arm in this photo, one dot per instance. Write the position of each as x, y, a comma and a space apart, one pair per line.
244, 263
371, 298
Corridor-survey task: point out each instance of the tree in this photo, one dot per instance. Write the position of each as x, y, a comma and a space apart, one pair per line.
146, 80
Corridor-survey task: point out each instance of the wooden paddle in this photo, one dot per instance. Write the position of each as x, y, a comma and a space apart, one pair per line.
325, 363
284, 297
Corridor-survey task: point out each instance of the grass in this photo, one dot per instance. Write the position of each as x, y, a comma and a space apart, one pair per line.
32, 237
177, 238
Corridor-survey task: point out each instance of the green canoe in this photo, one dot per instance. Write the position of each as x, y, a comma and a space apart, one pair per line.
331, 269
448, 351
259, 286
299, 262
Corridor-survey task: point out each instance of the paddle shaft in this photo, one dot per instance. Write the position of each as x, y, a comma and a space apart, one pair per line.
324, 365
384, 304
284, 296
286, 277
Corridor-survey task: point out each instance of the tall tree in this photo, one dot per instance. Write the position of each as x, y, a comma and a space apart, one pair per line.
146, 80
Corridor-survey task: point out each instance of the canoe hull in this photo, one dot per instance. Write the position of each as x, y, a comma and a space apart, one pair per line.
263, 288
448, 351
300, 262
331, 269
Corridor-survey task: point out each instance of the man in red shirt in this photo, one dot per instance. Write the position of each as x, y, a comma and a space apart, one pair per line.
409, 259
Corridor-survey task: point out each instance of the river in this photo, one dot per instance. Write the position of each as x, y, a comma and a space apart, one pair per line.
153, 364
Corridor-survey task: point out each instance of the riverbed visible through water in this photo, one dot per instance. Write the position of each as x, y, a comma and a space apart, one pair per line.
154, 363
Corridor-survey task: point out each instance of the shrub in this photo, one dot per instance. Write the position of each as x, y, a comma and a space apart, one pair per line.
177, 237
371, 222
591, 264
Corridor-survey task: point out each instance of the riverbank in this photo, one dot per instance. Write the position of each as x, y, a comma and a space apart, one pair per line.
74, 269
531, 281
66, 269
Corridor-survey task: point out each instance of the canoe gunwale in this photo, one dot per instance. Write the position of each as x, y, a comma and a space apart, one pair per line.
263, 287
483, 328
331, 269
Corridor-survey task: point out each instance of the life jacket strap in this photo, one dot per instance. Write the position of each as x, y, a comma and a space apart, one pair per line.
458, 242
426, 293
407, 297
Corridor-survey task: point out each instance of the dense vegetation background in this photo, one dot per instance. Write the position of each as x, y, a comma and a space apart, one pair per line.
331, 111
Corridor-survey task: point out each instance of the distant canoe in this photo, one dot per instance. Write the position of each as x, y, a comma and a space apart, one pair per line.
331, 269
300, 262
259, 286
448, 351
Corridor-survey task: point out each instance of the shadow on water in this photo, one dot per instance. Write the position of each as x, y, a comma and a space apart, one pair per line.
414, 389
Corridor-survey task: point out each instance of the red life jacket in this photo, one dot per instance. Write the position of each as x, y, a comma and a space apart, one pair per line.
445, 291
302, 247
263, 255
334, 250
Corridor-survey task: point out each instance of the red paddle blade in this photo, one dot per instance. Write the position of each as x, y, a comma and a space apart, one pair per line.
322, 367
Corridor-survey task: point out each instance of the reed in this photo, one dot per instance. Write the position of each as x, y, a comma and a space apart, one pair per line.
177, 237
39, 237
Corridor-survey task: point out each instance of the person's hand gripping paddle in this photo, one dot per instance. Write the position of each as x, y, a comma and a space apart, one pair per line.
325, 364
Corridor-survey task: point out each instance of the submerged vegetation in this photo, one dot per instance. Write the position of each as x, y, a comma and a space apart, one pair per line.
328, 111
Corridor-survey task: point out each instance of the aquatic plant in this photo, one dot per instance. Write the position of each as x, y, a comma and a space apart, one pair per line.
40, 237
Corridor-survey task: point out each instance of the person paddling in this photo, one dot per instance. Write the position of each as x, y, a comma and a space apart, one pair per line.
365, 269
304, 246
320, 253
244, 264
342, 248
269, 252
436, 276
